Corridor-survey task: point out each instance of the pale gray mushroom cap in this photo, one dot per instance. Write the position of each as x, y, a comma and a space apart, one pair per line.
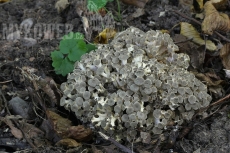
135, 82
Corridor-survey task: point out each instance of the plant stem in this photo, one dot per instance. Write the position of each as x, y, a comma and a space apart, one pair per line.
119, 10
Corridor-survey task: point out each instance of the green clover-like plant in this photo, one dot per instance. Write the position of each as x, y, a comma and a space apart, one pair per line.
95, 5
71, 48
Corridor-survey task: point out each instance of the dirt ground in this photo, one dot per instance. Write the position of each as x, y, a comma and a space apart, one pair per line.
206, 136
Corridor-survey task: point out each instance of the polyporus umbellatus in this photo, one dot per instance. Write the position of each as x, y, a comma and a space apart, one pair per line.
135, 82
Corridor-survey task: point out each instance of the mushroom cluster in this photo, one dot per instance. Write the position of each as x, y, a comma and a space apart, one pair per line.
135, 82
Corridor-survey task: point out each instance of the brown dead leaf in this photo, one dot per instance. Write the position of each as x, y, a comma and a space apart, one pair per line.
217, 91
102, 11
63, 127
105, 36
214, 20
32, 132
191, 33
60, 124
208, 81
137, 3
196, 53
49, 86
220, 4
213, 82
69, 143
225, 55
15, 131
79, 133
212, 75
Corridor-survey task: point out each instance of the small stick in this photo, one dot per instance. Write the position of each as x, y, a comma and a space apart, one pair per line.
123, 148
220, 100
5, 81
194, 20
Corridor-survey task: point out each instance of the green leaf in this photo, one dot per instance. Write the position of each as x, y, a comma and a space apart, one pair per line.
57, 58
76, 53
72, 35
65, 67
69, 41
61, 65
66, 45
72, 47
95, 5
90, 47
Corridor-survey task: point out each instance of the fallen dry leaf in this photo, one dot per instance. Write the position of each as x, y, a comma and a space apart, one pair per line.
63, 127
15, 131
49, 86
105, 36
208, 81
137, 3
225, 55
32, 132
60, 124
220, 4
217, 91
79, 133
215, 87
214, 20
102, 11
191, 33
212, 75
69, 143
197, 57
196, 53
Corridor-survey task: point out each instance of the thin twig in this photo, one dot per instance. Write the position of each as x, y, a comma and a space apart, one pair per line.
220, 100
194, 20
5, 81
123, 148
